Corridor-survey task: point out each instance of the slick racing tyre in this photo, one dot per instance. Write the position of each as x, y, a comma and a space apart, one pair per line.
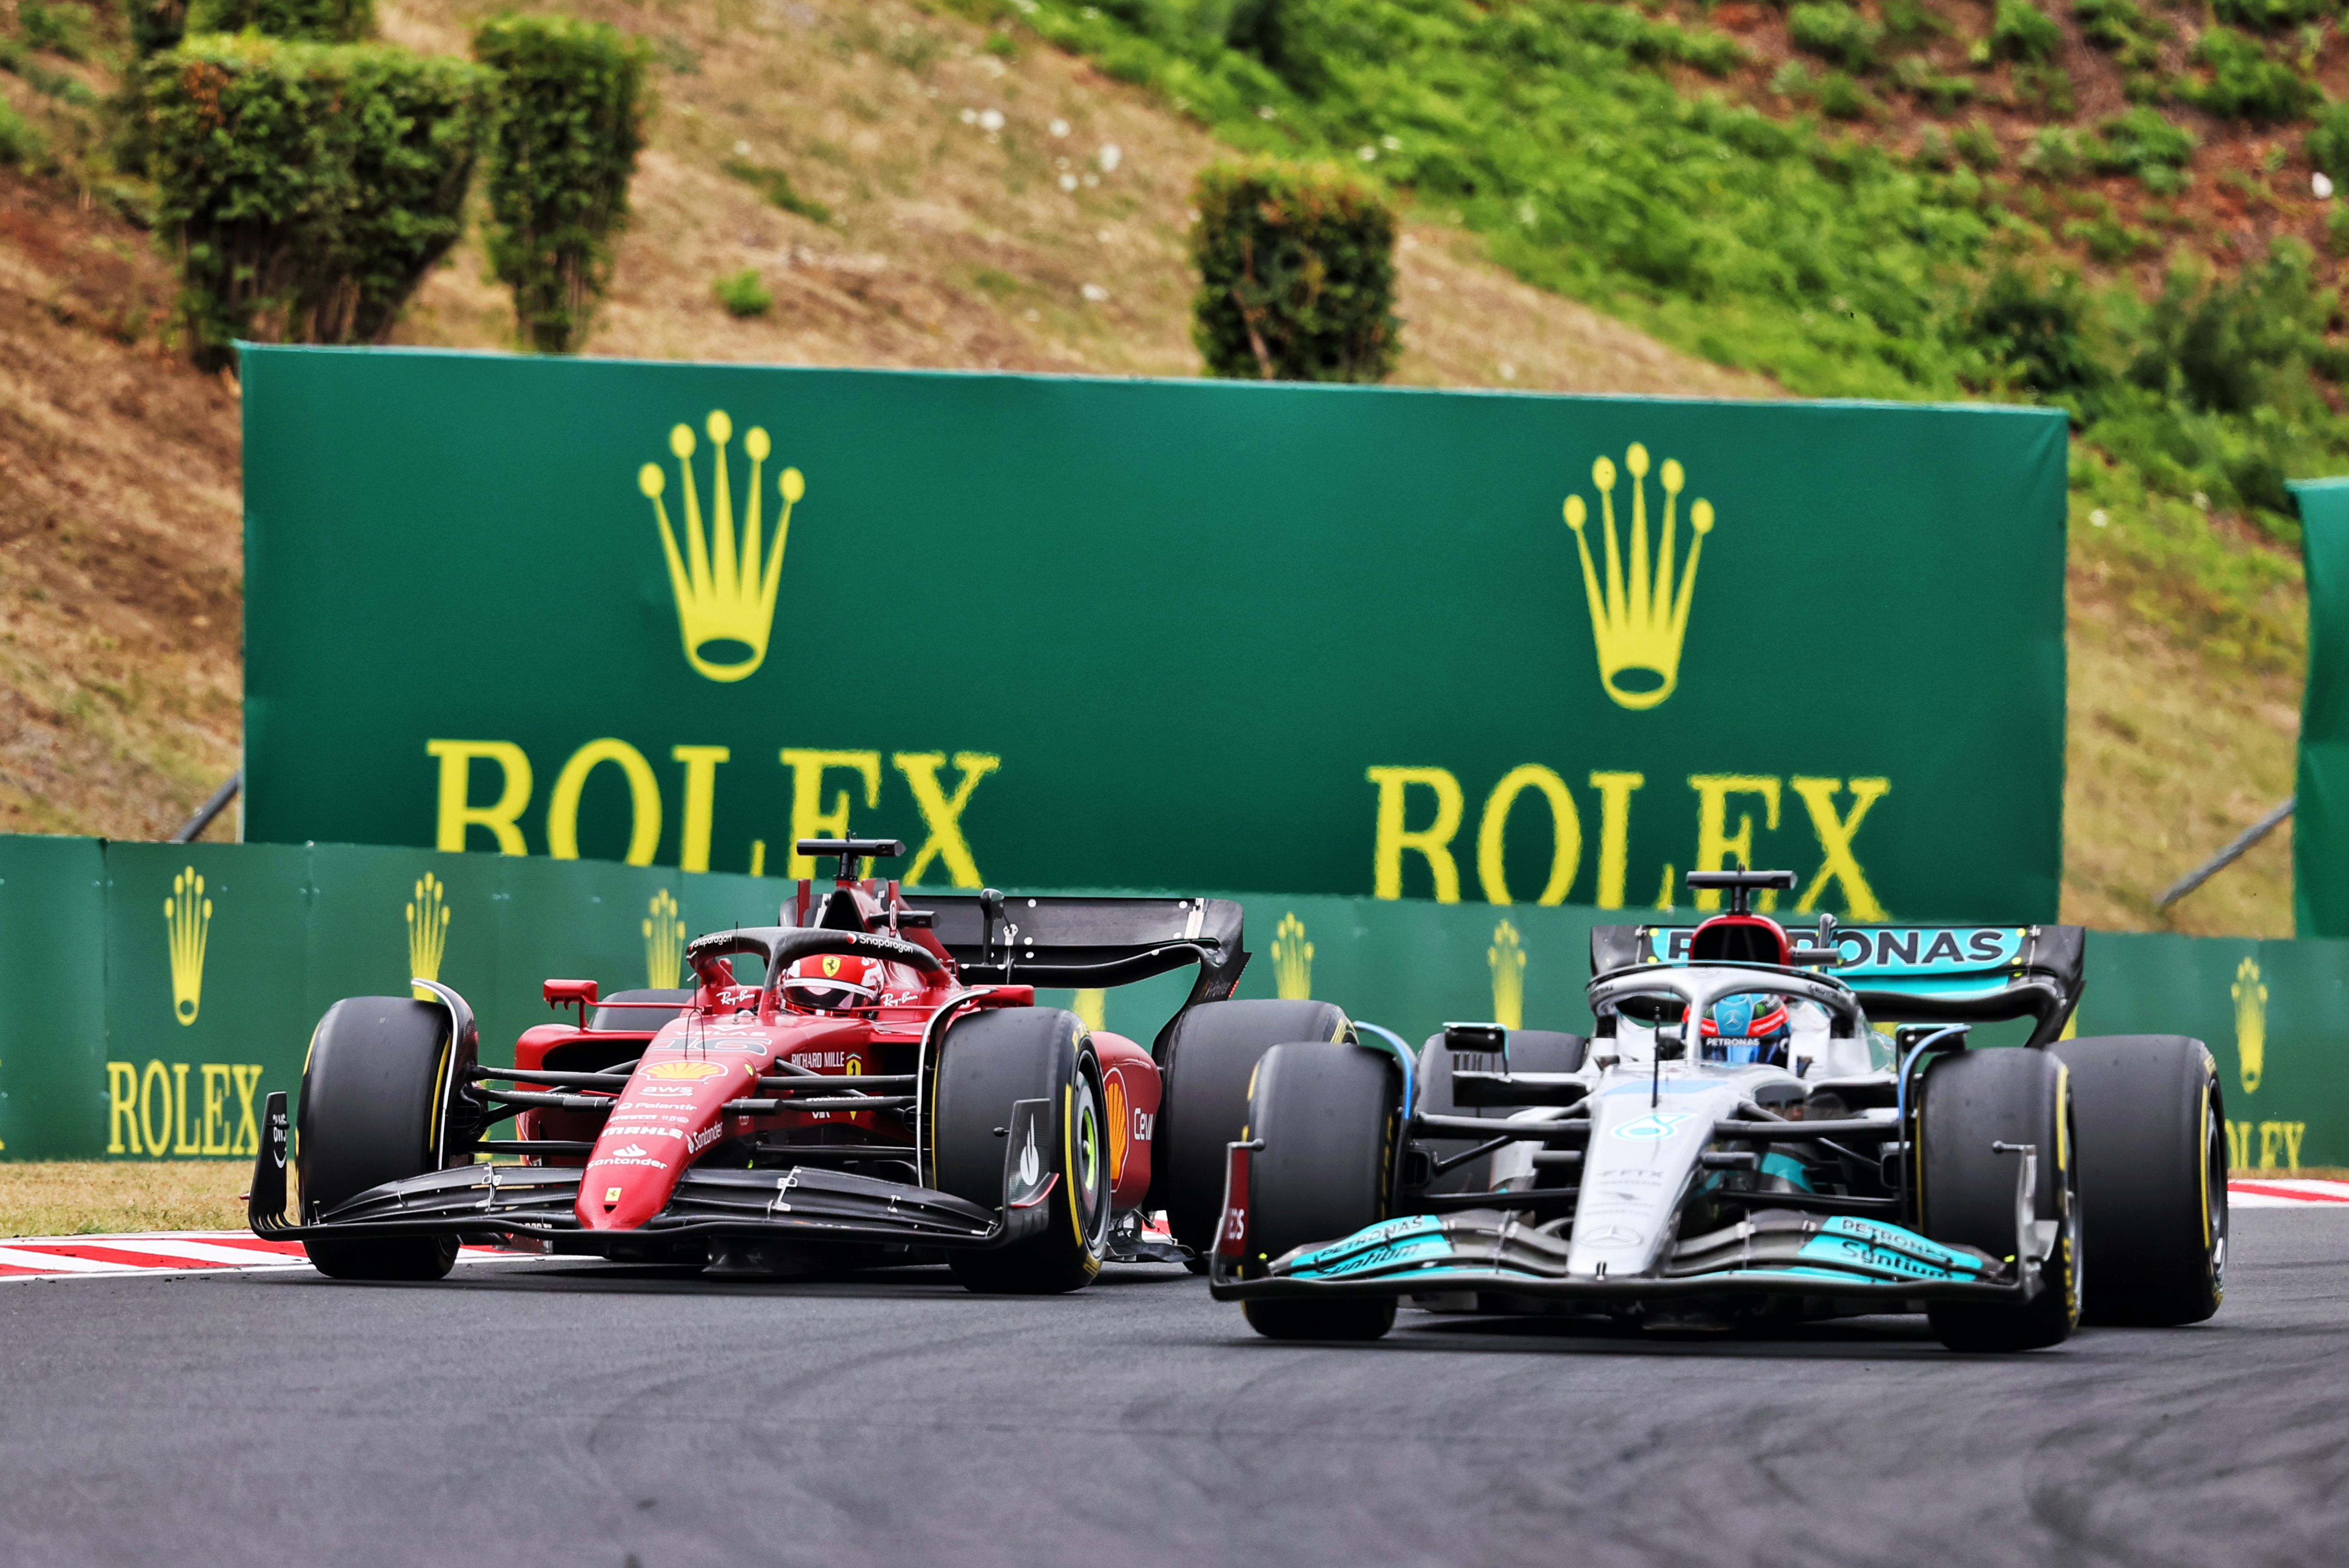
1530, 1050
2153, 1170
375, 1109
1328, 1116
1210, 1061
987, 1063
1967, 1102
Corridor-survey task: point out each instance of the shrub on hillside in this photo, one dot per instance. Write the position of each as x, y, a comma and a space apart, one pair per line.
2038, 331
314, 21
2123, 30
21, 141
2245, 84
2022, 31
2141, 143
743, 294
155, 25
1834, 32
571, 119
2328, 142
2272, 15
308, 188
1295, 273
2230, 345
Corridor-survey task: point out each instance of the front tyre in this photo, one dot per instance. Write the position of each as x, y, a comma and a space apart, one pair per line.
1211, 1061
1966, 1103
1328, 1116
987, 1063
2153, 1169
375, 1107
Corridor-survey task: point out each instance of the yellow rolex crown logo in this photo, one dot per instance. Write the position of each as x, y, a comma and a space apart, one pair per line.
1292, 959
428, 931
1637, 617
1507, 958
664, 942
188, 916
2251, 1024
724, 586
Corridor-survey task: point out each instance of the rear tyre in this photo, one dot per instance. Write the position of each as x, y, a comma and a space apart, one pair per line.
1967, 1102
1210, 1061
375, 1109
1328, 1116
987, 1063
2153, 1170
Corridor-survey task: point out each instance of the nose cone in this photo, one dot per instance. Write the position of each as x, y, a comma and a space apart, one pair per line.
673, 1108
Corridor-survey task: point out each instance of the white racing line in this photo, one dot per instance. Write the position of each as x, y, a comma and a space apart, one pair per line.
165, 1252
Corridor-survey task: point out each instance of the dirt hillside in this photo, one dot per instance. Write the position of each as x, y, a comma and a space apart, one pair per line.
958, 207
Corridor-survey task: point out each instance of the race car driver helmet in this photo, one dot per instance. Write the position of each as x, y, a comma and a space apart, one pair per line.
832, 983
1745, 1030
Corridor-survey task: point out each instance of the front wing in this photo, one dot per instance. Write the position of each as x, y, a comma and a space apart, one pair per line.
1771, 1253
803, 1204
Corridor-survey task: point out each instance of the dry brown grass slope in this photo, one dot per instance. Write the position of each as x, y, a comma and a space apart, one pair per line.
952, 244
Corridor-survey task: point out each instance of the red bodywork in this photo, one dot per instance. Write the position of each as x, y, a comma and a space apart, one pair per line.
682, 1102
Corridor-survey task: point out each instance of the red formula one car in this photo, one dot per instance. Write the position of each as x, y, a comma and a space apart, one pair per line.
885, 1091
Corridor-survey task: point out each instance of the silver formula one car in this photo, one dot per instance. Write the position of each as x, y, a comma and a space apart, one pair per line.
1743, 1137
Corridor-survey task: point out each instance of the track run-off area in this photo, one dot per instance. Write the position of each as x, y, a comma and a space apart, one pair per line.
562, 1412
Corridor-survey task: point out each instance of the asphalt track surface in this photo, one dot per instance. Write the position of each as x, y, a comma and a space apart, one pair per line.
595, 1417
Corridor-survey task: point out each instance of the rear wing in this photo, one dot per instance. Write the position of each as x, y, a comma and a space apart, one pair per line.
1005, 939
1914, 974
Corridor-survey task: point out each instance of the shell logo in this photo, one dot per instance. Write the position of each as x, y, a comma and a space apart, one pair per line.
684, 1070
1121, 1127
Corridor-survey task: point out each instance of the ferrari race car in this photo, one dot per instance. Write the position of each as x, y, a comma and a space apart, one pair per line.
1739, 1140
886, 1091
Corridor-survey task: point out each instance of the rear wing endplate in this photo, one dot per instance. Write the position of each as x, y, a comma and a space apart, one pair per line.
1914, 974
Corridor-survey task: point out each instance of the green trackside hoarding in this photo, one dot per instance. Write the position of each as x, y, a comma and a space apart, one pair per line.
1064, 632
2319, 829
151, 996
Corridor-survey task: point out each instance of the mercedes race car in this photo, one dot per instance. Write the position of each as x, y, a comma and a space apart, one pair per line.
885, 1090
1742, 1138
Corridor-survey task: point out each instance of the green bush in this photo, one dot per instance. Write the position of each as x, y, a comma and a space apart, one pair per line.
2054, 154
2123, 30
62, 28
2038, 332
2328, 142
2044, 90
1977, 145
1295, 273
2231, 346
571, 122
776, 186
744, 294
2141, 143
2246, 85
21, 141
2111, 240
307, 188
313, 21
1842, 97
2272, 15
2022, 31
155, 25
1834, 32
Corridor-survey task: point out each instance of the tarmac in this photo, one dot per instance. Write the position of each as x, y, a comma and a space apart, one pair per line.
558, 1412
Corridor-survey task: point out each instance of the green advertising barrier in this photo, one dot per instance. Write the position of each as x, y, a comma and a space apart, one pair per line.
151, 995
1068, 632
2319, 829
